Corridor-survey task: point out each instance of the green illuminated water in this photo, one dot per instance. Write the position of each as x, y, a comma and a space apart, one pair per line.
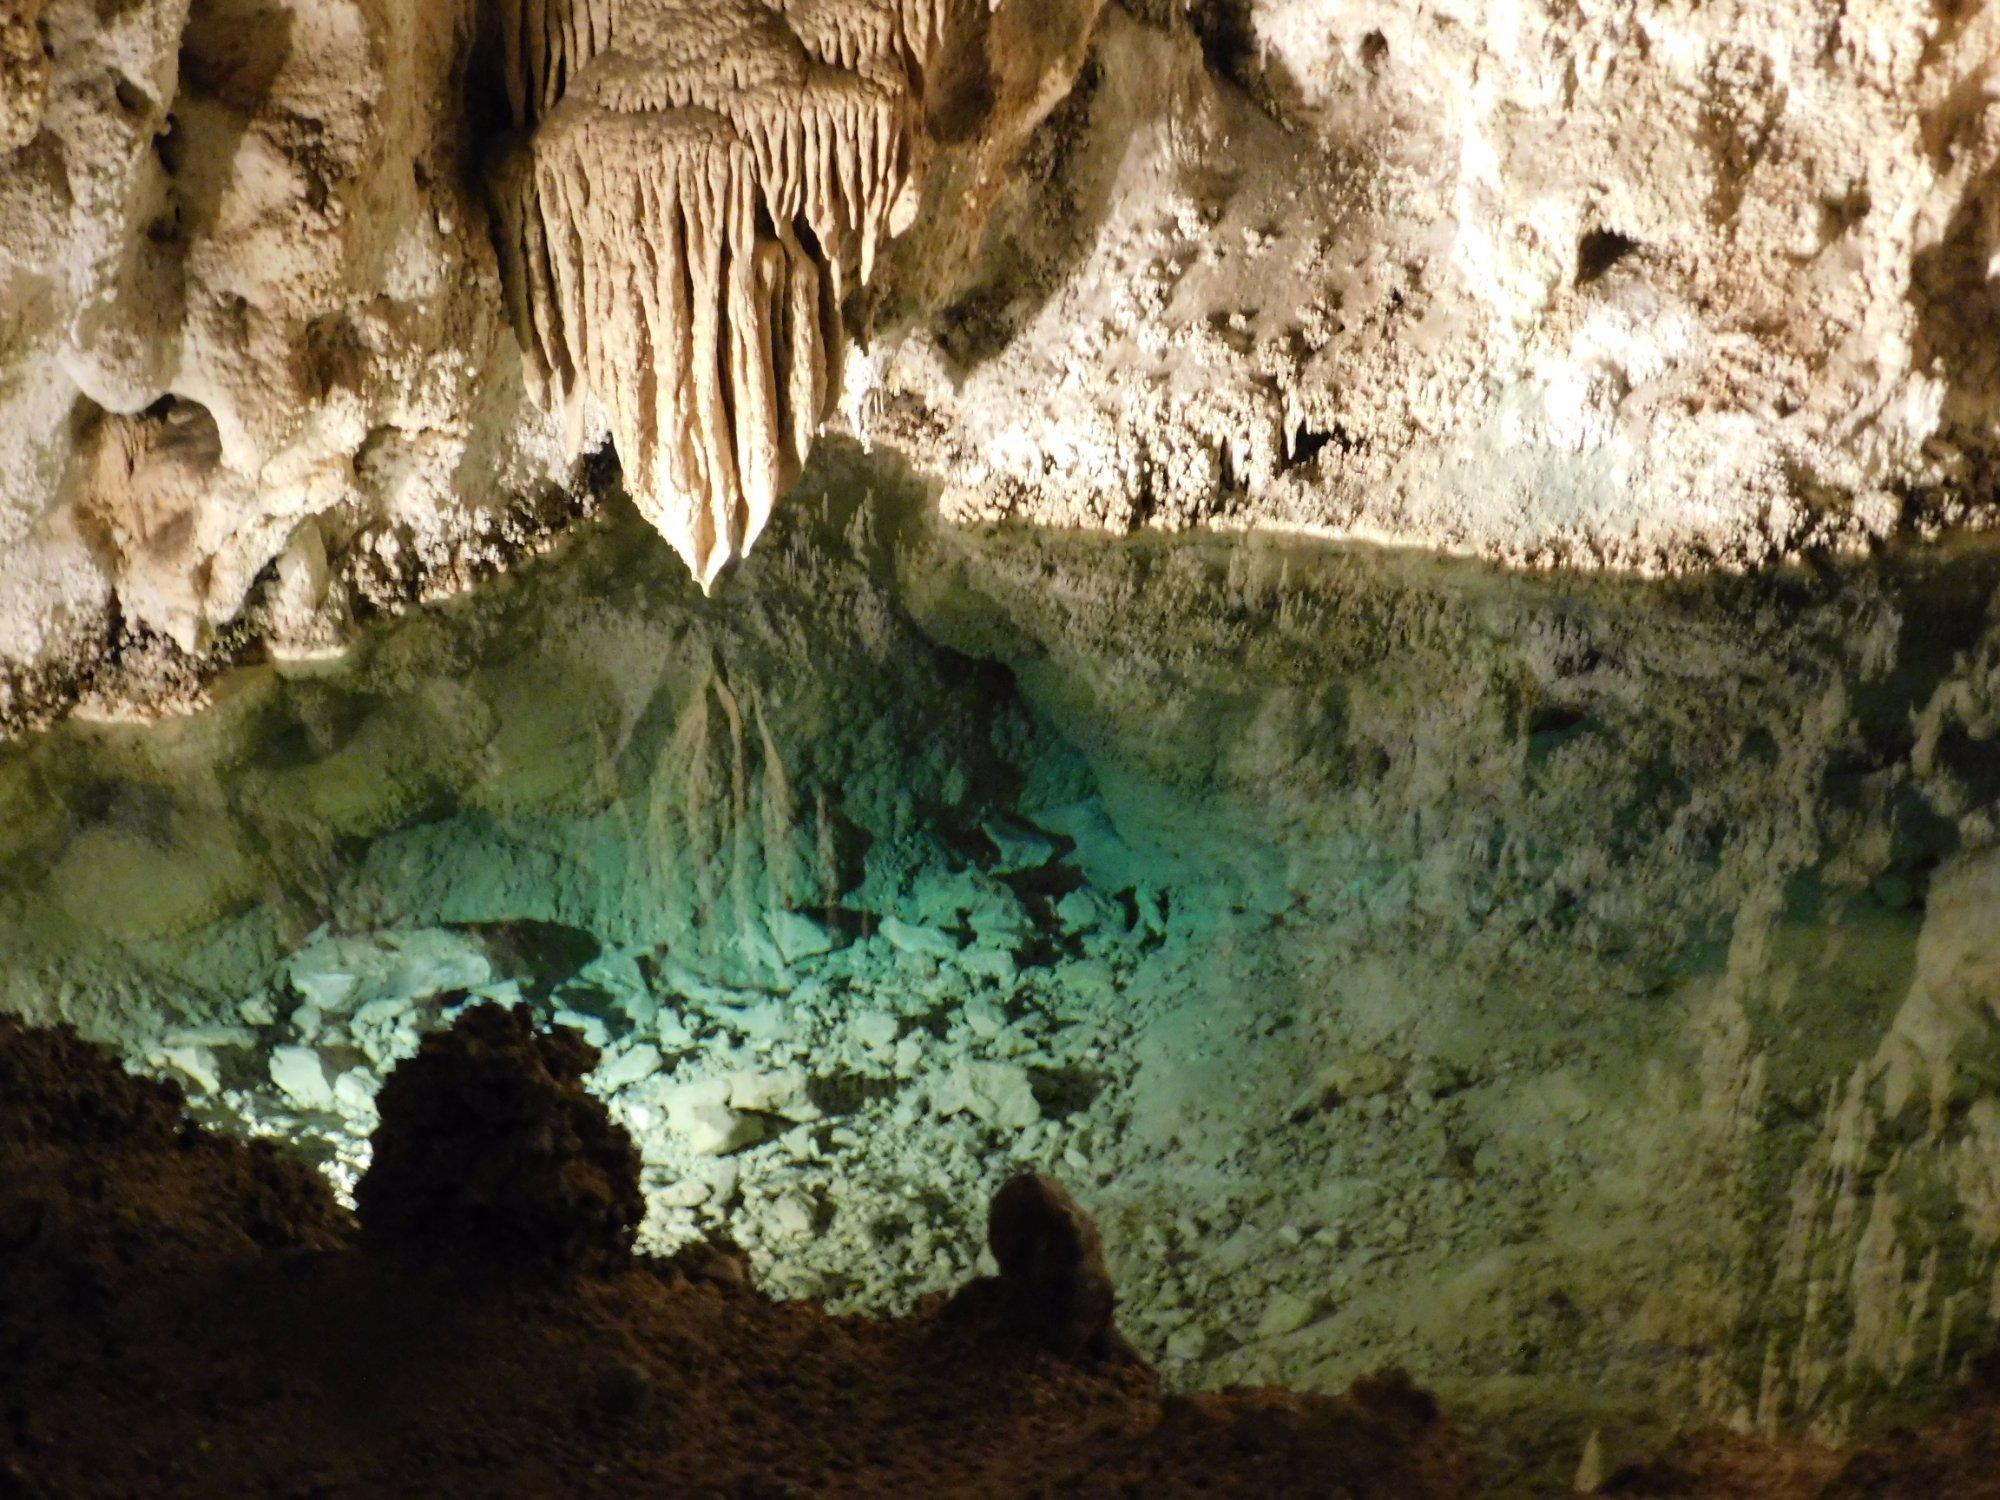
1577, 990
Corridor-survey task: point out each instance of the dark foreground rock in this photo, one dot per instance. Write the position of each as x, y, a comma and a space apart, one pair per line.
185, 1315
490, 1147
1054, 1289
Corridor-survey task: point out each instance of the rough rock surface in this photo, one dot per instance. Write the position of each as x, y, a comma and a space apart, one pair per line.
1638, 284
161, 1194
252, 340
489, 1146
161, 1333
1403, 959
1054, 1287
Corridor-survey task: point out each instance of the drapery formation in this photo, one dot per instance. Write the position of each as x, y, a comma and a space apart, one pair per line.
696, 185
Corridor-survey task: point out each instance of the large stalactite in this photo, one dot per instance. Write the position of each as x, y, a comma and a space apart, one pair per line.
695, 188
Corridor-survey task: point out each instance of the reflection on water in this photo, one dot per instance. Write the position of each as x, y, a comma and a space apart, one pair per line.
1576, 990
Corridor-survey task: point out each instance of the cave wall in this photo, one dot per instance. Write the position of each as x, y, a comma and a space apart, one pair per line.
1576, 989
1647, 285
1640, 285
249, 321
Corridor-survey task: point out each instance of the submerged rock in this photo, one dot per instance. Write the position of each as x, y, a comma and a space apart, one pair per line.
301, 1077
994, 1093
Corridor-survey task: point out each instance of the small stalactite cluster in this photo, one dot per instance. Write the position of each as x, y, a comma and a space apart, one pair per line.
693, 187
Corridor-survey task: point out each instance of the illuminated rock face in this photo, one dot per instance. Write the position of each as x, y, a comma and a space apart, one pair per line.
24, 73
1396, 942
1648, 287
703, 183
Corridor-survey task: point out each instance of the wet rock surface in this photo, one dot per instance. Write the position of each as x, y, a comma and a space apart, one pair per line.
1530, 983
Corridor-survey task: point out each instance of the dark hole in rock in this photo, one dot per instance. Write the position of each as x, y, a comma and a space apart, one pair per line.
1598, 251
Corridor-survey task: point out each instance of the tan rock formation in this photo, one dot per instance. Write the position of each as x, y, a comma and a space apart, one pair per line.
702, 186
24, 73
1646, 286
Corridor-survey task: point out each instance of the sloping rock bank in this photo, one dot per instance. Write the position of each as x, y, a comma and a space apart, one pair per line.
186, 1315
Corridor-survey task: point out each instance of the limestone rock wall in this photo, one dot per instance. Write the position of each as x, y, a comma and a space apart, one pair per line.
248, 315
1646, 284
1634, 284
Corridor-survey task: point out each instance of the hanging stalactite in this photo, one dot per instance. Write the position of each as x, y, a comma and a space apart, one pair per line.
696, 186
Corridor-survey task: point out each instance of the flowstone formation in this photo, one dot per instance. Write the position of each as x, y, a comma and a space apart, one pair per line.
704, 183
308, 307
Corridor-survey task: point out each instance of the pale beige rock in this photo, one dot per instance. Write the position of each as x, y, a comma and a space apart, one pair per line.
1630, 285
243, 219
703, 184
24, 73
1635, 285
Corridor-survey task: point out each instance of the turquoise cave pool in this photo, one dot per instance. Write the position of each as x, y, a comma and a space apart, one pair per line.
1574, 989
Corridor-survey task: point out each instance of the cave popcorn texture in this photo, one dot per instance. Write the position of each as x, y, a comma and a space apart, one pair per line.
699, 187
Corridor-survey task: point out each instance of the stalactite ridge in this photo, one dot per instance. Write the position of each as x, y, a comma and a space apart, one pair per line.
693, 188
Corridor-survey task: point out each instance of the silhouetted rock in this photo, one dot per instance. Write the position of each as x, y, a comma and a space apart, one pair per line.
1053, 1288
490, 1144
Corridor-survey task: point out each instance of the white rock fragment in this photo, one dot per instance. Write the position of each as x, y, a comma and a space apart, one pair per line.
385, 1030
791, 1217
354, 1093
1285, 1312
996, 964
594, 1031
766, 1022
716, 1129
684, 1192
908, 937
1083, 910
997, 1094
983, 1019
623, 1069
194, 1063
798, 937
322, 988
1018, 846
874, 1029
779, 1093
699, 1112
301, 1078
